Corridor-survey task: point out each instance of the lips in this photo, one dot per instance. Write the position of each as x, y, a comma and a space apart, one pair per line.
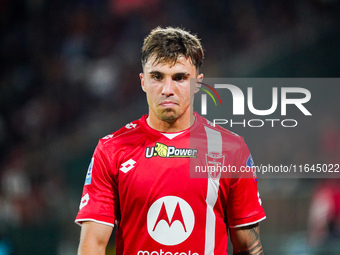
168, 103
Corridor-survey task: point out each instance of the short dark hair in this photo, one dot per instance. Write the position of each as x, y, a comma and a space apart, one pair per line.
167, 44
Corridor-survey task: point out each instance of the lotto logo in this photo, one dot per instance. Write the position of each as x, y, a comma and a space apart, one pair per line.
170, 220
258, 195
127, 166
130, 125
108, 137
84, 201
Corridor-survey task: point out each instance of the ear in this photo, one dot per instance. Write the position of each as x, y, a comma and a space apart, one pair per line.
199, 79
141, 76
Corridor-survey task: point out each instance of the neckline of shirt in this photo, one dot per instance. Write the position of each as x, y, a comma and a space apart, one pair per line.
170, 135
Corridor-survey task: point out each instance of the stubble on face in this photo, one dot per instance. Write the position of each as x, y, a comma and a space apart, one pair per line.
168, 115
168, 91
168, 108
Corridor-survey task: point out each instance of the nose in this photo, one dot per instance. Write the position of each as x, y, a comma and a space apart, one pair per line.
168, 87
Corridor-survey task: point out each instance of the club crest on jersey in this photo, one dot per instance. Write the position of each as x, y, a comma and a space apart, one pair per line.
165, 151
215, 163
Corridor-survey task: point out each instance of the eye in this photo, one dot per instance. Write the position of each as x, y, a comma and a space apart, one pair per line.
156, 77
179, 77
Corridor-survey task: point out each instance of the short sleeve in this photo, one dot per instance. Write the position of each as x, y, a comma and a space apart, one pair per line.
244, 205
99, 200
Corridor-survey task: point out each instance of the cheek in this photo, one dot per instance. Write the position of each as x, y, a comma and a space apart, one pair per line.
151, 95
185, 93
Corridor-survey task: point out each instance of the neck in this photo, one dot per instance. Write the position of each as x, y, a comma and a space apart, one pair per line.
180, 124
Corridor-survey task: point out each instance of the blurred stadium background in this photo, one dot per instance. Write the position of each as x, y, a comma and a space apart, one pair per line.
69, 75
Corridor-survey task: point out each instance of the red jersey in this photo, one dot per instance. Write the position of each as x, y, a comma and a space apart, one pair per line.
140, 180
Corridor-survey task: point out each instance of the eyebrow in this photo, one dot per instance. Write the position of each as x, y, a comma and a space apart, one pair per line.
155, 72
182, 74
175, 74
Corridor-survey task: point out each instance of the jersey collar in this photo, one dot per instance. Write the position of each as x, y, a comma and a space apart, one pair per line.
147, 129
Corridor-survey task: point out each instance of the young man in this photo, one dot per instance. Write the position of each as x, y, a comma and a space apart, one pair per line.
139, 176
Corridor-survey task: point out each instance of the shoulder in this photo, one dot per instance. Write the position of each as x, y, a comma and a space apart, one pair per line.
227, 135
125, 135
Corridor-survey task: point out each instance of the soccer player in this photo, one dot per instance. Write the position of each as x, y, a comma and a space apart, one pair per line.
139, 176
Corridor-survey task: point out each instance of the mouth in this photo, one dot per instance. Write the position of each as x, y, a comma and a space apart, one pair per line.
168, 103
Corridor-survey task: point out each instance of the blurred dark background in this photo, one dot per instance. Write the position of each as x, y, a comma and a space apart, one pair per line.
69, 76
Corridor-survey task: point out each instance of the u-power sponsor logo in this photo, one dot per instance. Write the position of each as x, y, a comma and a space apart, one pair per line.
238, 99
164, 151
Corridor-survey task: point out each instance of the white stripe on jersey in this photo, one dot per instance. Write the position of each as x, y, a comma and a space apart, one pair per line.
214, 140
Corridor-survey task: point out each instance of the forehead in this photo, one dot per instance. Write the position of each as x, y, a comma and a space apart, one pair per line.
182, 64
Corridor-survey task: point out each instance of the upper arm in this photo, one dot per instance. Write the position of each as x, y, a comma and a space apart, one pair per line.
100, 201
244, 205
246, 240
94, 238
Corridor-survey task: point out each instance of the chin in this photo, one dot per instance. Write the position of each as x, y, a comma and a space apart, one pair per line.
168, 116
